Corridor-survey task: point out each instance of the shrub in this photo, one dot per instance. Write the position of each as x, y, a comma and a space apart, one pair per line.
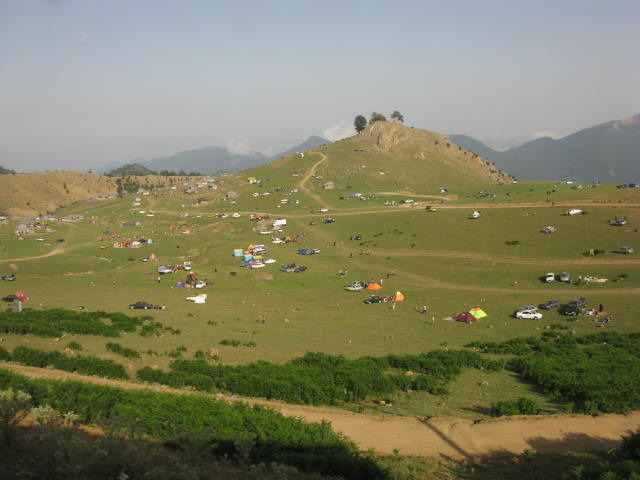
522, 406
54, 322
312, 447
317, 378
120, 350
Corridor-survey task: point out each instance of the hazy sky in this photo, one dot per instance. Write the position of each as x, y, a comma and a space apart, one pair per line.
85, 82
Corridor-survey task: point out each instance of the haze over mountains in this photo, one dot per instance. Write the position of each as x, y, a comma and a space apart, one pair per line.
609, 152
214, 159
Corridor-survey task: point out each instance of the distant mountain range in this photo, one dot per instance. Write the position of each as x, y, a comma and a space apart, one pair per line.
212, 160
609, 152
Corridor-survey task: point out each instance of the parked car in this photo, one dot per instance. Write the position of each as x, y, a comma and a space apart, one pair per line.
529, 314
141, 306
565, 277
570, 310
580, 302
573, 307
550, 277
9, 298
528, 307
624, 250
549, 304
186, 265
373, 299
9, 278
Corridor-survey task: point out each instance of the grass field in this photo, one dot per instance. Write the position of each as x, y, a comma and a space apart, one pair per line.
441, 260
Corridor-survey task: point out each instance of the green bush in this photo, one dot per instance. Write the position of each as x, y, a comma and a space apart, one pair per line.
54, 322
311, 447
120, 350
522, 406
317, 378
80, 364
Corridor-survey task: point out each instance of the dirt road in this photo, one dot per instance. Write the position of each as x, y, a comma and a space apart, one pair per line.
451, 437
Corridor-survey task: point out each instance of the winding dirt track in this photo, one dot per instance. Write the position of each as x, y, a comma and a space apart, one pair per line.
450, 437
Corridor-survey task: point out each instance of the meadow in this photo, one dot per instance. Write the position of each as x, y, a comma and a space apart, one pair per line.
441, 260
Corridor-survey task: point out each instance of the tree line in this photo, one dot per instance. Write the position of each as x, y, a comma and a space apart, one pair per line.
360, 122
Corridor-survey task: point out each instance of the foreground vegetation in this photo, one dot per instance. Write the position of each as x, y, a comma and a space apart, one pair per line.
311, 447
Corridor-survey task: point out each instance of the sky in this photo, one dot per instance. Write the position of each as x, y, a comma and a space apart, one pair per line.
84, 83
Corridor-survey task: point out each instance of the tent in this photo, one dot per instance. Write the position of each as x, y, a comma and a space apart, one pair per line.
398, 297
374, 286
465, 317
237, 252
201, 298
180, 284
477, 313
22, 296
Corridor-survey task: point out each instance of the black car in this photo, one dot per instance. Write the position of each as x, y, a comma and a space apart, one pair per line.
581, 302
550, 304
9, 298
373, 299
9, 278
141, 306
570, 309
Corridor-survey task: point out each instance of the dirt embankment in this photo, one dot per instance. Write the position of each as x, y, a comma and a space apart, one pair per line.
452, 437
36, 193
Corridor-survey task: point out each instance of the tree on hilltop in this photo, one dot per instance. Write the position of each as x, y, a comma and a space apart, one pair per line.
377, 117
360, 123
397, 116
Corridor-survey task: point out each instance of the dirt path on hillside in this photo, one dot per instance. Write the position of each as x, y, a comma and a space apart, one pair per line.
302, 184
451, 437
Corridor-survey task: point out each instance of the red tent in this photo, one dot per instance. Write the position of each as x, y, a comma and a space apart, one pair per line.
465, 317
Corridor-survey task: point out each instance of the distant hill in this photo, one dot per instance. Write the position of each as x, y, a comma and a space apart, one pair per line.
309, 144
609, 152
131, 169
207, 160
388, 157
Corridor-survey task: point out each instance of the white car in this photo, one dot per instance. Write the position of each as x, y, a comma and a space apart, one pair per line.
269, 261
323, 210
550, 277
236, 215
529, 314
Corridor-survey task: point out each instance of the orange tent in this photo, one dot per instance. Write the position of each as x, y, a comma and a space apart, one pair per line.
398, 297
374, 286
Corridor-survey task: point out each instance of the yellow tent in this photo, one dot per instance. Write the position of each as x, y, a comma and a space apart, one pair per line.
398, 297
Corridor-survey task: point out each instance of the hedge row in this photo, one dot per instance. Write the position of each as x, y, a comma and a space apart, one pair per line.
311, 447
56, 321
597, 373
317, 378
77, 363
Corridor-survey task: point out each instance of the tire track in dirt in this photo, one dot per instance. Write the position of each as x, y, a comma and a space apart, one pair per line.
437, 436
